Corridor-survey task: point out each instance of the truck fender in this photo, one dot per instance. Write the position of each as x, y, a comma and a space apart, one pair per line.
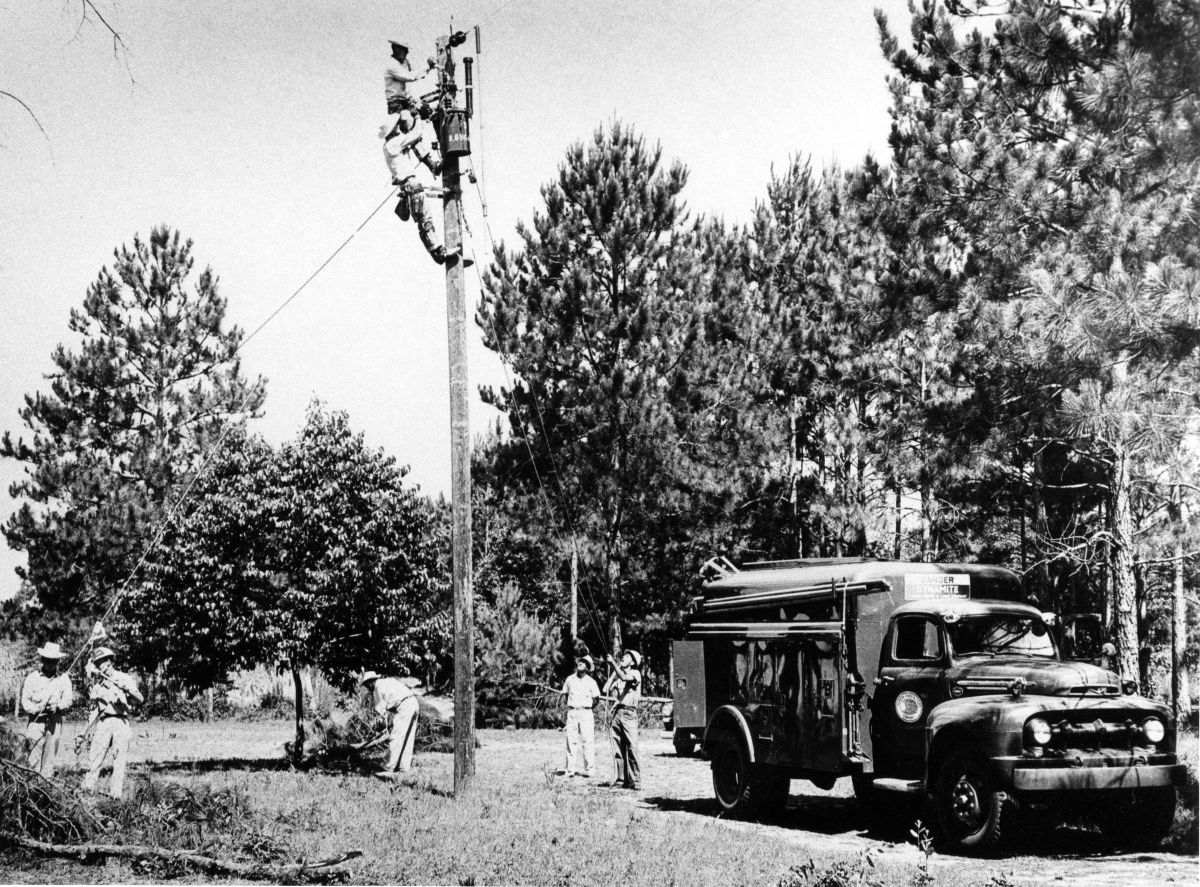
728, 717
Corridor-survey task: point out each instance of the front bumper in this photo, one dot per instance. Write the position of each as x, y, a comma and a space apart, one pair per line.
1094, 773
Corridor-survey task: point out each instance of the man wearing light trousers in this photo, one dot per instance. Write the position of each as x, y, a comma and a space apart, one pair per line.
395, 701
111, 696
582, 695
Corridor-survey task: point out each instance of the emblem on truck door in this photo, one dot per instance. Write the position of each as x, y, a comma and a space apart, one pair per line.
909, 707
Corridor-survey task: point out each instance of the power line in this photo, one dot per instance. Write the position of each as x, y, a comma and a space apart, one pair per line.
177, 506
592, 608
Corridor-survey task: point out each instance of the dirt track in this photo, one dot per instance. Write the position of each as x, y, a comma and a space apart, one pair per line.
831, 821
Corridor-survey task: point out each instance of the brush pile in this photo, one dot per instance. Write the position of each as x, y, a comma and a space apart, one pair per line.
343, 741
164, 828
34, 806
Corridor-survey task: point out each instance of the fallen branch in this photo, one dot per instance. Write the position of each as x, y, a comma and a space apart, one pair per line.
285, 873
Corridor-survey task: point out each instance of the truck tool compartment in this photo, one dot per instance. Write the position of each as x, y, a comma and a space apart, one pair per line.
932, 680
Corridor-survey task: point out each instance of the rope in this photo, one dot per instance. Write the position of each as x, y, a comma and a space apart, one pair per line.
593, 611
174, 509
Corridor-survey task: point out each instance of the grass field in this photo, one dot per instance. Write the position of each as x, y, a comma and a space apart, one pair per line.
524, 825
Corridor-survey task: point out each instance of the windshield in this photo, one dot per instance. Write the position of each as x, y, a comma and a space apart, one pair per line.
1000, 633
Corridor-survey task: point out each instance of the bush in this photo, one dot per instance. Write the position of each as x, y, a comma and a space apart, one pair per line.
1185, 834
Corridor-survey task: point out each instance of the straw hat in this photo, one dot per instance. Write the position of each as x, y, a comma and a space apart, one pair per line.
51, 651
368, 676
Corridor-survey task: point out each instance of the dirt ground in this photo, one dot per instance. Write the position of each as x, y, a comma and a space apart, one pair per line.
817, 824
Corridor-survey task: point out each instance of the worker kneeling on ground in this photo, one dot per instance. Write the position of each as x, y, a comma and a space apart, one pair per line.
396, 702
111, 698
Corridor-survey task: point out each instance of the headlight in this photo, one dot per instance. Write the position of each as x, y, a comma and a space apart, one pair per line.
909, 707
1129, 688
1038, 730
1154, 730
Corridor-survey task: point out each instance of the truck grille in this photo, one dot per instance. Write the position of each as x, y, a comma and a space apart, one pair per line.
1093, 731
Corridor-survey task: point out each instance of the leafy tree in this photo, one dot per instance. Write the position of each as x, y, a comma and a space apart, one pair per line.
127, 419
314, 555
610, 316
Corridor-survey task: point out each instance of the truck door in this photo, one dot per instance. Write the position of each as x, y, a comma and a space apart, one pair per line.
912, 663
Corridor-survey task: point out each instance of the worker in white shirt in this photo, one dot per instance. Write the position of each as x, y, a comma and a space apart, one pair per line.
396, 702
582, 694
624, 686
112, 696
45, 695
406, 148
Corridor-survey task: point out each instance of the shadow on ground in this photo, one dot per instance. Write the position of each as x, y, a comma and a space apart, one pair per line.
831, 815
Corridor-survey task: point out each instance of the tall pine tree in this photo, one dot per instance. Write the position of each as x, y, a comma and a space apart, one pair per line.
155, 379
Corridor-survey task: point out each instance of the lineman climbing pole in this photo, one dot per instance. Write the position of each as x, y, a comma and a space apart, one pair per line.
453, 137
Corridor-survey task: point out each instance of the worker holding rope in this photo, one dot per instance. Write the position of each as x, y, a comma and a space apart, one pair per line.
624, 686
112, 696
45, 695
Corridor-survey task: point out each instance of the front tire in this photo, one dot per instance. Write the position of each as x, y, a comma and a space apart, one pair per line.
974, 815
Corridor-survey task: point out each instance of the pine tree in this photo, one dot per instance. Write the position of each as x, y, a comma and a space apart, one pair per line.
1049, 170
127, 419
615, 328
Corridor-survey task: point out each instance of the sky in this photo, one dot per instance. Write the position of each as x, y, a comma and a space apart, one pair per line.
251, 127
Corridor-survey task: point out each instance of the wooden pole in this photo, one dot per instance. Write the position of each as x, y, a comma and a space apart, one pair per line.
574, 590
460, 452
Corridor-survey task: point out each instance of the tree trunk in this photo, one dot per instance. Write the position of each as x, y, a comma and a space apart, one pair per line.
1124, 581
1181, 699
896, 544
298, 685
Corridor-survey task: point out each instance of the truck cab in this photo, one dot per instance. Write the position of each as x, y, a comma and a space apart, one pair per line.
928, 680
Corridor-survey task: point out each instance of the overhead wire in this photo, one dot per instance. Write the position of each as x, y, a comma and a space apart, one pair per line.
564, 501
207, 458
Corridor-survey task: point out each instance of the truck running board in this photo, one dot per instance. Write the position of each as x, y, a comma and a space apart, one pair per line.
904, 786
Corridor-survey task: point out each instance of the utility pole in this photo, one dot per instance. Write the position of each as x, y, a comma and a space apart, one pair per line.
452, 131
574, 590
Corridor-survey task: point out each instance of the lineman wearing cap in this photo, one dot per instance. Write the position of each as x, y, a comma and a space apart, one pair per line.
45, 695
624, 687
113, 693
582, 694
403, 151
396, 702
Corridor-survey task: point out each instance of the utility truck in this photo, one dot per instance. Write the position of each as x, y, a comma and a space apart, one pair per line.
931, 681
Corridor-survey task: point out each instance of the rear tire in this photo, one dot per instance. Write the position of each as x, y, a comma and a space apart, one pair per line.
743, 787
731, 775
770, 789
974, 816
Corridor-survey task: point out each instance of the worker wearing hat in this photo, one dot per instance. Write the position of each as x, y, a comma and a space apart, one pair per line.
396, 702
405, 147
582, 694
45, 695
624, 687
112, 696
